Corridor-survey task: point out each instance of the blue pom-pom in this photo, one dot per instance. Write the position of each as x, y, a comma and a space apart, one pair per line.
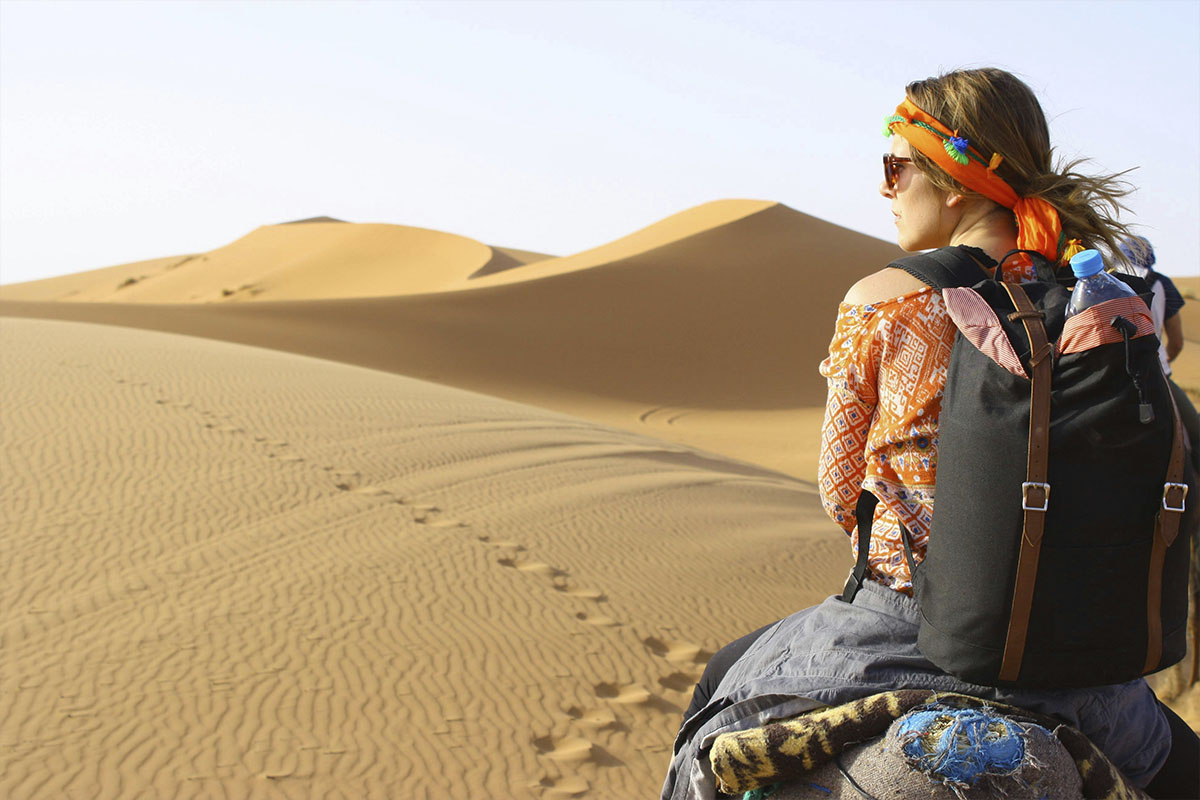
956, 148
961, 745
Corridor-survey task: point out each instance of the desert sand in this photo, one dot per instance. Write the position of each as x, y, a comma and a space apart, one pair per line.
364, 510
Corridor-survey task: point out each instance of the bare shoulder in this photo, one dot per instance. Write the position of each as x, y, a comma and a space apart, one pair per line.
883, 285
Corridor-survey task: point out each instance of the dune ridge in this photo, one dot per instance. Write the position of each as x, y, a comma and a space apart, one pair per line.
670, 230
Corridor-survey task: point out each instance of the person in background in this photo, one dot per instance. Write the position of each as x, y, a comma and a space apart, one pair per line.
1167, 299
1168, 325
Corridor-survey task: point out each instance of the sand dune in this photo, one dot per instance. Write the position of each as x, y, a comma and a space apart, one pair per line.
729, 321
305, 259
236, 572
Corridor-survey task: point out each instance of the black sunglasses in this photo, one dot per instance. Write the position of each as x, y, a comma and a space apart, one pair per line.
891, 168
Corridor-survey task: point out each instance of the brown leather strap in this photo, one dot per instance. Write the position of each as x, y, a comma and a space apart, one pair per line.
1166, 528
1035, 492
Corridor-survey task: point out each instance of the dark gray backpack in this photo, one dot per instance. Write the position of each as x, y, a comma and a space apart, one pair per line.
1054, 557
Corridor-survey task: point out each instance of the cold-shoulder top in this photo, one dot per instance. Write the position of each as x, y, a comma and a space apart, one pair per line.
886, 372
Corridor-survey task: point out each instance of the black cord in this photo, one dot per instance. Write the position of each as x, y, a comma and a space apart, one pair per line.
842, 769
1128, 329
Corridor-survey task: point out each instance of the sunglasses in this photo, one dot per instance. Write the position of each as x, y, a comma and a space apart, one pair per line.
891, 168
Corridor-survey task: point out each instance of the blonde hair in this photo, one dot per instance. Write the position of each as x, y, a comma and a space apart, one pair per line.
998, 113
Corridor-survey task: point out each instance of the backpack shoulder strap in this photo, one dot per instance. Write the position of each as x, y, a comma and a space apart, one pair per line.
943, 268
1035, 490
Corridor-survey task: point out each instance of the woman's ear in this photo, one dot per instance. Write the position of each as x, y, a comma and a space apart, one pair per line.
953, 199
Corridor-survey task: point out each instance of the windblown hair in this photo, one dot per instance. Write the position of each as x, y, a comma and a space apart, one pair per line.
998, 113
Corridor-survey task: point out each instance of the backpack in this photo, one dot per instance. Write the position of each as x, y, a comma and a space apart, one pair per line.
1054, 557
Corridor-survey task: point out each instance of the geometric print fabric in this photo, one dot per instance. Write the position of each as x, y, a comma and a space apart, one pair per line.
886, 372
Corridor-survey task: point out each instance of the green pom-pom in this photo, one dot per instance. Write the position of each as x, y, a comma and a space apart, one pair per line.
761, 794
955, 153
887, 123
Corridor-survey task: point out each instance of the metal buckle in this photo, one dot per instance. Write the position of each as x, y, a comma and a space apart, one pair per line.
1182, 501
1045, 487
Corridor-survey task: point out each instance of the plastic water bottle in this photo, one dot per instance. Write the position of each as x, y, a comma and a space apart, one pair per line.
1094, 285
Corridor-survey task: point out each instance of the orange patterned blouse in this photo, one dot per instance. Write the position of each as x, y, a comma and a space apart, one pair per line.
886, 372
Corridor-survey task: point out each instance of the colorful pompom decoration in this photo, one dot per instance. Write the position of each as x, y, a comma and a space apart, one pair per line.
956, 146
888, 121
1074, 247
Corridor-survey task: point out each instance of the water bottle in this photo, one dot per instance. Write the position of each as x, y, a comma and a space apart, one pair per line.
1094, 285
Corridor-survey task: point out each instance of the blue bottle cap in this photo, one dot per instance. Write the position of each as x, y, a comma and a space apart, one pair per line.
1087, 263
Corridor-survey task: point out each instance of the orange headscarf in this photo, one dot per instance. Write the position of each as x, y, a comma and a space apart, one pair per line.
1038, 226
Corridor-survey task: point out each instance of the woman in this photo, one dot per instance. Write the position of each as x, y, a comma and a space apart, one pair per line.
886, 371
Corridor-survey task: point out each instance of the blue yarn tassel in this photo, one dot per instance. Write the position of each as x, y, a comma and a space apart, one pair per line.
961, 745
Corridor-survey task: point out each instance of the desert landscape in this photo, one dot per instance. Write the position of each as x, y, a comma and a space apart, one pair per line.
348, 510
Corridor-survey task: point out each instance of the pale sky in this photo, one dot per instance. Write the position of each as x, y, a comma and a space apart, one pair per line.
134, 130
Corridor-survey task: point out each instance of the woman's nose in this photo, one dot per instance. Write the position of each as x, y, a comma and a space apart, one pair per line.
886, 191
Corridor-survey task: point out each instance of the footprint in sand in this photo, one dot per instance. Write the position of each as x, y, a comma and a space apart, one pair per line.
559, 578
534, 567
274, 445
433, 517
677, 652
502, 545
597, 619
443, 523
568, 749
628, 693
423, 514
346, 480
632, 694
597, 719
679, 681
583, 593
